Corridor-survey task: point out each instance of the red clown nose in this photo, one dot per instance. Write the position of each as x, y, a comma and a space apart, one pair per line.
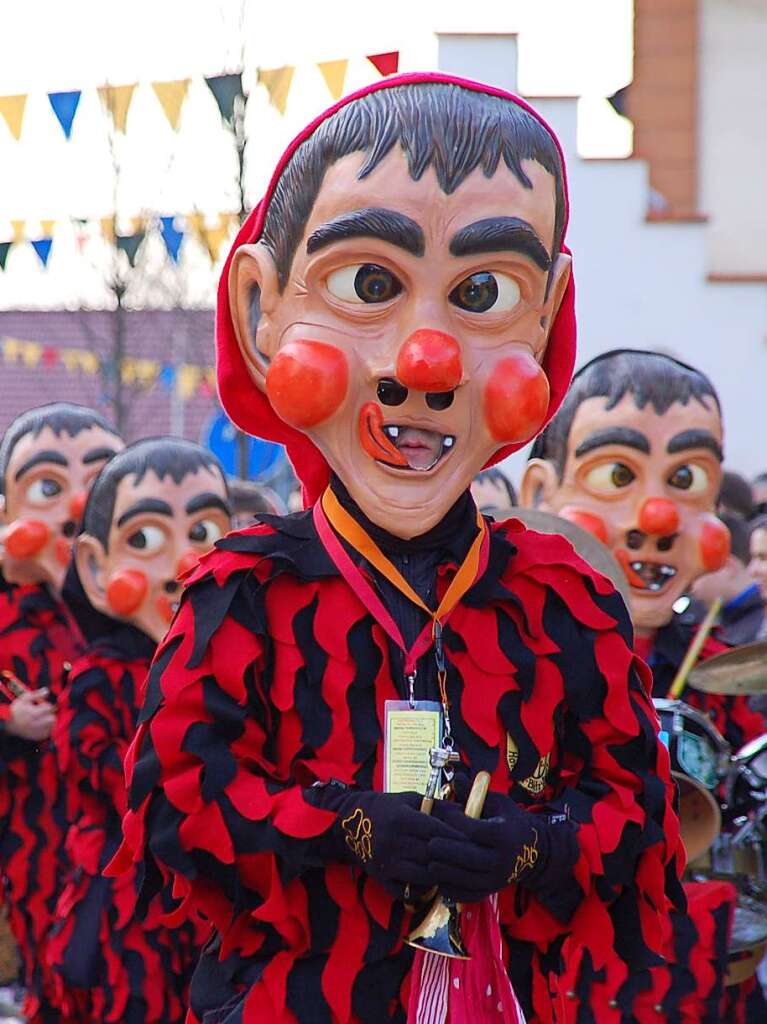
26, 537
516, 398
658, 516
430, 361
77, 505
307, 382
126, 591
186, 563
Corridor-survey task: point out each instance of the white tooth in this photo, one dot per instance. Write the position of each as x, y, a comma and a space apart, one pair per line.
666, 570
636, 566
449, 441
393, 432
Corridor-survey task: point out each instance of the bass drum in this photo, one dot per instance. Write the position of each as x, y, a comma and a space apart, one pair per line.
699, 758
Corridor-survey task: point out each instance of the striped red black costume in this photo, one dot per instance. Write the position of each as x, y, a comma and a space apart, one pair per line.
38, 641
106, 965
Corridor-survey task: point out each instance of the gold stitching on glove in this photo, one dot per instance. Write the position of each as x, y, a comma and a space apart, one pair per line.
359, 835
526, 859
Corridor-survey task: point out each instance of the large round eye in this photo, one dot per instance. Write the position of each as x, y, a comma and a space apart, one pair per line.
364, 282
484, 291
611, 476
43, 489
205, 532
690, 478
147, 539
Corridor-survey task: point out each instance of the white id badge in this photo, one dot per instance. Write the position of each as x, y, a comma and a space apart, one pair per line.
409, 733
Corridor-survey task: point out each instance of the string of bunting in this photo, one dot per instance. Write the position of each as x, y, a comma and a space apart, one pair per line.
211, 232
187, 379
225, 88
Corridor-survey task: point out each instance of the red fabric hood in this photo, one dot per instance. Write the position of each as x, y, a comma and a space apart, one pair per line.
249, 408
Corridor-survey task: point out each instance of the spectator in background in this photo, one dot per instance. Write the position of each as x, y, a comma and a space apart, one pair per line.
759, 490
493, 492
758, 552
735, 495
249, 500
742, 618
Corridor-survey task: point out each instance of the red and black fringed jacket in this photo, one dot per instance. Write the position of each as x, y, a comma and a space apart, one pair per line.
274, 676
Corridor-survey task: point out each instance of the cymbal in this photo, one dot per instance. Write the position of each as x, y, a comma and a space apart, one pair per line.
741, 671
586, 544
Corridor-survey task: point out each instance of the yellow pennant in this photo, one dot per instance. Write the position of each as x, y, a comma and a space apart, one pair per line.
147, 371
214, 238
12, 109
277, 82
31, 353
89, 362
128, 371
187, 379
107, 225
171, 96
116, 100
197, 222
11, 349
70, 357
334, 73
46, 228
18, 230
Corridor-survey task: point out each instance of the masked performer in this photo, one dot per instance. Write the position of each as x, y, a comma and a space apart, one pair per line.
634, 455
399, 311
153, 510
48, 459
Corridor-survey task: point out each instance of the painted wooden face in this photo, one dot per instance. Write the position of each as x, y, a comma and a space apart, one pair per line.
408, 340
646, 485
46, 486
159, 530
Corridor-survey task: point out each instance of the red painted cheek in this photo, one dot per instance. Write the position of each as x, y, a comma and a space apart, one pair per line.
586, 520
714, 544
26, 537
126, 591
516, 398
658, 516
430, 361
307, 382
164, 608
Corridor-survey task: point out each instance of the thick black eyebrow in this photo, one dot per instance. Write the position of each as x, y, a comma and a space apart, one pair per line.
687, 439
613, 435
146, 505
206, 500
45, 456
500, 234
97, 454
372, 222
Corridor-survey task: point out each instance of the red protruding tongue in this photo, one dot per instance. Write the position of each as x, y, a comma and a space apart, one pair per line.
374, 441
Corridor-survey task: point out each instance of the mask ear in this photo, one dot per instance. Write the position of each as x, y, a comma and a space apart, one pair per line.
90, 559
3, 513
560, 275
253, 298
539, 482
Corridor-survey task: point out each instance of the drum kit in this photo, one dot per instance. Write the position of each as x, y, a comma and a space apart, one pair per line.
723, 797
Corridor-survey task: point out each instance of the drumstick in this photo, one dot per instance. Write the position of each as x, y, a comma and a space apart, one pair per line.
680, 679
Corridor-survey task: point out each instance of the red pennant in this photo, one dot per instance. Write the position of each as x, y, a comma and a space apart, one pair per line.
385, 63
50, 357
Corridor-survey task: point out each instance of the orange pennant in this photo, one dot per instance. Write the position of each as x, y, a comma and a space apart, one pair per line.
334, 73
277, 82
171, 96
117, 100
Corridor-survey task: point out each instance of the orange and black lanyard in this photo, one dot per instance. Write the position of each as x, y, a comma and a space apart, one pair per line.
328, 513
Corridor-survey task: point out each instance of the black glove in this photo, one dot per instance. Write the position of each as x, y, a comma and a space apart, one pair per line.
388, 836
508, 844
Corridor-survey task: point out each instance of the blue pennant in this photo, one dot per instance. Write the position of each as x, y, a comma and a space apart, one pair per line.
225, 89
42, 247
167, 376
171, 236
65, 107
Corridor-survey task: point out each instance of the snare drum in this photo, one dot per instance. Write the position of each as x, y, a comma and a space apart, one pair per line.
699, 759
748, 941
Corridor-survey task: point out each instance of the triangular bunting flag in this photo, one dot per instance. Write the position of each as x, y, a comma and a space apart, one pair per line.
11, 349
50, 357
167, 376
129, 244
196, 222
107, 225
31, 352
334, 73
385, 63
171, 96
187, 379
65, 107
42, 247
171, 236
116, 100
70, 357
226, 89
277, 82
5, 248
18, 230
214, 238
12, 109
46, 228
146, 372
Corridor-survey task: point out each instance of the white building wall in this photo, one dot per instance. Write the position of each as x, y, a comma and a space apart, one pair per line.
733, 134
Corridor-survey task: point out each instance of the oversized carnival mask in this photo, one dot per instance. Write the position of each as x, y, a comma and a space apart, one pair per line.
642, 477
396, 303
148, 521
47, 474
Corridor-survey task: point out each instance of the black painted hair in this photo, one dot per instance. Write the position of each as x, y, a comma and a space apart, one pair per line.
60, 417
650, 377
165, 456
450, 128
